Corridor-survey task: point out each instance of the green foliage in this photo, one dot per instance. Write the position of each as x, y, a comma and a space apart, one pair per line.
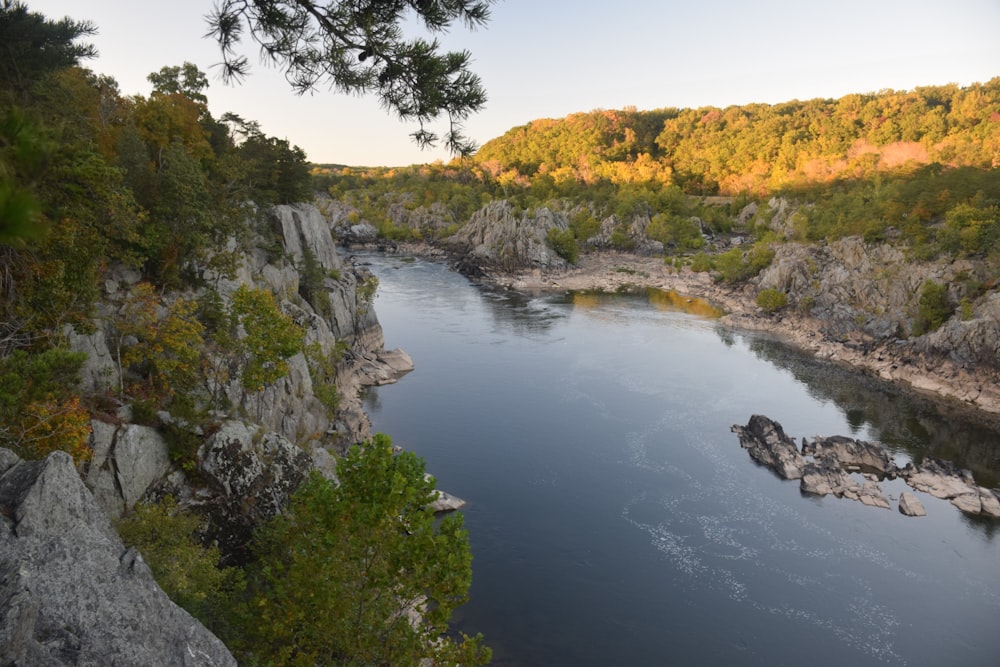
771, 300
186, 80
381, 552
186, 571
269, 338
564, 243
168, 348
701, 263
934, 308
584, 225
362, 48
323, 371
675, 231
736, 265
34, 46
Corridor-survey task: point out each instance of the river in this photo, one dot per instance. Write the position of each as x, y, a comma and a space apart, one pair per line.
614, 518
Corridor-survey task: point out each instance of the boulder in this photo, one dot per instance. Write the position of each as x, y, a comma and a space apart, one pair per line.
828, 477
70, 592
128, 461
251, 473
910, 505
852, 455
767, 444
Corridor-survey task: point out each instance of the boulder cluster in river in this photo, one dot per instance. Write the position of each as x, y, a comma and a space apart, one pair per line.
849, 468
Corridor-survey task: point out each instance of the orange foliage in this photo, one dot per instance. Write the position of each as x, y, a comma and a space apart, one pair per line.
50, 425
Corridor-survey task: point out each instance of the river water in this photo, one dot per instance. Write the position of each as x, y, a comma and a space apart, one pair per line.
614, 518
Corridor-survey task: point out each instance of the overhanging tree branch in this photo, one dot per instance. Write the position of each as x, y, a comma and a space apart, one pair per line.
358, 47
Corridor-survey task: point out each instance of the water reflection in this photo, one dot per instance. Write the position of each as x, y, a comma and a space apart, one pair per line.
667, 300
910, 424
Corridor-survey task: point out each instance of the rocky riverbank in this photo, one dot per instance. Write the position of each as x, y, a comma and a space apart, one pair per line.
903, 362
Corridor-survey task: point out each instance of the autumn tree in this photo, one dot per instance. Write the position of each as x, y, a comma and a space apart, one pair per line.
360, 48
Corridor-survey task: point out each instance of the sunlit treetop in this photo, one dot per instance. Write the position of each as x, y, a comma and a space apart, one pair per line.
358, 47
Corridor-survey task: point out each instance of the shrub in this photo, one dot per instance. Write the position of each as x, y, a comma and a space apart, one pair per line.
701, 263
185, 570
564, 243
934, 308
771, 300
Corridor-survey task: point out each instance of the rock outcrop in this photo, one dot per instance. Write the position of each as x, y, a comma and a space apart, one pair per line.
848, 468
70, 592
910, 505
251, 474
768, 445
240, 465
498, 237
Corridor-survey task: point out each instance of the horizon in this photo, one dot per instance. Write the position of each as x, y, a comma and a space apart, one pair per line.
540, 61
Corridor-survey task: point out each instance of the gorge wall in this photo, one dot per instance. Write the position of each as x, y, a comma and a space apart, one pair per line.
70, 592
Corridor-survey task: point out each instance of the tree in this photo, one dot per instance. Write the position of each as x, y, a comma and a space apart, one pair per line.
361, 573
185, 80
34, 46
39, 409
269, 338
359, 47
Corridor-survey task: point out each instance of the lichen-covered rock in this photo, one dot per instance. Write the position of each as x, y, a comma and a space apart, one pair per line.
71, 593
252, 473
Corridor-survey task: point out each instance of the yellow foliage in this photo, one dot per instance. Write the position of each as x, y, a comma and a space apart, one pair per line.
47, 426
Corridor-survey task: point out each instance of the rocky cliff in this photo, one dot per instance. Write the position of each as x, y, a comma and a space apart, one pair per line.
498, 237
242, 463
70, 592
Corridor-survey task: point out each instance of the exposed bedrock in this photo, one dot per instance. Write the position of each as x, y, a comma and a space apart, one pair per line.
849, 468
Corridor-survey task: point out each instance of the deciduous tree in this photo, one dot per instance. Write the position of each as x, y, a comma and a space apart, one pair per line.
361, 573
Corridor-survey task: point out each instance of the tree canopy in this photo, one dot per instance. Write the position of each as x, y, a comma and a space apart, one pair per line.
359, 47
361, 572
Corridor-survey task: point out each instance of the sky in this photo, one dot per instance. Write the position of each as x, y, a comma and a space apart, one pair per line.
547, 59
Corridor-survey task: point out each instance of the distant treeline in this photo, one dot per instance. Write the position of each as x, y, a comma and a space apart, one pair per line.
759, 148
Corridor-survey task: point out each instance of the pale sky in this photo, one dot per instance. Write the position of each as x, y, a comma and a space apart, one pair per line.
546, 59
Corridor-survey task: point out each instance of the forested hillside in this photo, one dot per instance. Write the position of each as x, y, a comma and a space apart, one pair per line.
759, 148
93, 178
919, 168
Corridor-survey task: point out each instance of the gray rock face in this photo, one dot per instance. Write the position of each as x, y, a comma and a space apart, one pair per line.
252, 474
70, 592
942, 480
128, 460
852, 455
497, 237
828, 478
302, 228
768, 445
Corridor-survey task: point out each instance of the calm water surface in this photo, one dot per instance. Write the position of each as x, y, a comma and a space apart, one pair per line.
614, 518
